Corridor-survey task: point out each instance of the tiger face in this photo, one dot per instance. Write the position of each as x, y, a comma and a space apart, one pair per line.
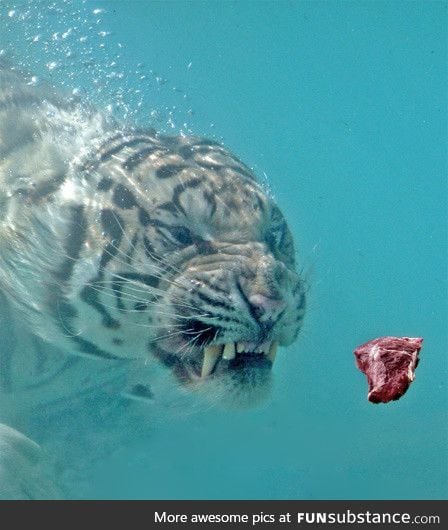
161, 248
226, 313
228, 293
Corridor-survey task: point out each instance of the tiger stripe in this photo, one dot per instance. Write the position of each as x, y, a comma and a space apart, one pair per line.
75, 238
113, 226
133, 161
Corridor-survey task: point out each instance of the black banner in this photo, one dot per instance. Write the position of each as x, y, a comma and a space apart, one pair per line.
224, 514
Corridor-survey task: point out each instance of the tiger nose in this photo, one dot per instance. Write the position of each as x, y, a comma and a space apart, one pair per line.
266, 308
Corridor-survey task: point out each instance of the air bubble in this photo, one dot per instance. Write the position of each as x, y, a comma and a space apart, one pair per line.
97, 64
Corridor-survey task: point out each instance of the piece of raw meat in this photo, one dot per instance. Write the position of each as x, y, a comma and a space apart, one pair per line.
389, 364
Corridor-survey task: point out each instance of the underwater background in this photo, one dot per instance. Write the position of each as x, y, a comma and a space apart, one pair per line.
341, 109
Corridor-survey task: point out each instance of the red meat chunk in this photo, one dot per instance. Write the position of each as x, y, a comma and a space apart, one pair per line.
389, 364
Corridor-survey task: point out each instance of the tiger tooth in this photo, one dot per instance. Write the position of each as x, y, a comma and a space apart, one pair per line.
240, 347
211, 355
272, 352
229, 351
250, 346
264, 347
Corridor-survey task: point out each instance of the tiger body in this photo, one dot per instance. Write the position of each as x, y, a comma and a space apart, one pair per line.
124, 253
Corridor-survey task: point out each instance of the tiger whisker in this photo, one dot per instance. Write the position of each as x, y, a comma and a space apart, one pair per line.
130, 298
150, 289
188, 347
156, 312
167, 335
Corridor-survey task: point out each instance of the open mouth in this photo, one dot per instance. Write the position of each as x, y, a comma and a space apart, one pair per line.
229, 356
237, 356
213, 357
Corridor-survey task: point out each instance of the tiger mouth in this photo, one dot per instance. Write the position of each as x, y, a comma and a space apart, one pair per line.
218, 358
211, 356
215, 360
237, 355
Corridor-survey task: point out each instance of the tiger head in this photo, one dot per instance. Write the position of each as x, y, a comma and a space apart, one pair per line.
129, 244
225, 289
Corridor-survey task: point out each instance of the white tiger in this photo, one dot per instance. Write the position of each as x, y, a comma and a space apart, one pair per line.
124, 252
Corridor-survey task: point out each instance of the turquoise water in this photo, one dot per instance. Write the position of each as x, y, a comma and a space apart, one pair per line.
342, 107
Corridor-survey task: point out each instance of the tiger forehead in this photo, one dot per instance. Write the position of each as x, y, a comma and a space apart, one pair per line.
168, 155
177, 173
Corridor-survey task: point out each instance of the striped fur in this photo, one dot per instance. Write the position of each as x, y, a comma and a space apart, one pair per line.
123, 246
